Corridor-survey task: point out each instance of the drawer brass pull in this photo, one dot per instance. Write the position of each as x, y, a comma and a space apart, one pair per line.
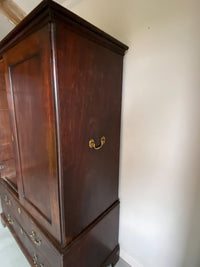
7, 201
19, 210
35, 239
93, 145
10, 220
35, 261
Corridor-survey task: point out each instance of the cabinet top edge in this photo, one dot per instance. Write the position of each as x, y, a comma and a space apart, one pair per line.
49, 11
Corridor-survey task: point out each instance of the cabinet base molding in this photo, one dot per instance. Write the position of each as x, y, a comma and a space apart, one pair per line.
97, 246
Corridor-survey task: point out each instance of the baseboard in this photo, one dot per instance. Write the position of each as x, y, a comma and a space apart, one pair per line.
131, 261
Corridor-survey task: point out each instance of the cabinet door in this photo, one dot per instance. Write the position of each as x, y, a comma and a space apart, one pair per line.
7, 163
31, 104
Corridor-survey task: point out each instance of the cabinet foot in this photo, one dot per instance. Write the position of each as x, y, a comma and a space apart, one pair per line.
113, 258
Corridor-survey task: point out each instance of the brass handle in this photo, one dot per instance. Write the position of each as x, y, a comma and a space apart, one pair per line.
35, 239
92, 143
10, 220
35, 261
7, 201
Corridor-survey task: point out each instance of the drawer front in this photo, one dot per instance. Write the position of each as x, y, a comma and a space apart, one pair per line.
37, 258
36, 237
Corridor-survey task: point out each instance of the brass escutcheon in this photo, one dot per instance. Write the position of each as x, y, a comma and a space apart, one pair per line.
7, 201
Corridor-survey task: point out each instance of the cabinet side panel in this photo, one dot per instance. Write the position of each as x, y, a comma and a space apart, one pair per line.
90, 80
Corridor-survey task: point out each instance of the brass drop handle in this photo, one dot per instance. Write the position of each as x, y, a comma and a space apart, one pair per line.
93, 145
35, 261
35, 239
10, 220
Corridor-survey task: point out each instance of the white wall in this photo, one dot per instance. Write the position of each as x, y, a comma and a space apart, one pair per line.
160, 124
5, 26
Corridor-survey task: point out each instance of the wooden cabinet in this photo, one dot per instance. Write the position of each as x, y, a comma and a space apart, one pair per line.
61, 135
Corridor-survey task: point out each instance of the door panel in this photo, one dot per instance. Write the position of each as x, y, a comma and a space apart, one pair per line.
34, 131
31, 104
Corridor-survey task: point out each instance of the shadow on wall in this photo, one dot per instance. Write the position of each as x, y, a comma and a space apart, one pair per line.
192, 255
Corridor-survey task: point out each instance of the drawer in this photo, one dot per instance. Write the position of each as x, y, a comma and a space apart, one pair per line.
35, 255
38, 239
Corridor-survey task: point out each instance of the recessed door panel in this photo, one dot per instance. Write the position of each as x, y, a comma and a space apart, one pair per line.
31, 105
31, 101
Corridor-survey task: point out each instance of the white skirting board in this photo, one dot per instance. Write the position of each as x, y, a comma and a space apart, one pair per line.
131, 261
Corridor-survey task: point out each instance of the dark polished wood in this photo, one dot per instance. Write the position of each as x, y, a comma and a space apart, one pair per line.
90, 80
60, 109
7, 162
30, 100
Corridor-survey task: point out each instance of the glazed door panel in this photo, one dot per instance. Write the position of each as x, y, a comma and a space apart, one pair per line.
32, 107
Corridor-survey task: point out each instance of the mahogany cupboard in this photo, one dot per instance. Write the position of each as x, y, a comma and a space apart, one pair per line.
60, 109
